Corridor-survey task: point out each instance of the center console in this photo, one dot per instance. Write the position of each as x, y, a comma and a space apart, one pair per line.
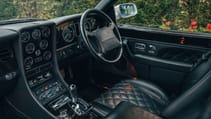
43, 78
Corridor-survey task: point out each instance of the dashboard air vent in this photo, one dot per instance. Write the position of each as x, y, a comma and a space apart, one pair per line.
5, 55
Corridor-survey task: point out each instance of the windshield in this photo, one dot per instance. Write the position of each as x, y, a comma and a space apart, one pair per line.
42, 9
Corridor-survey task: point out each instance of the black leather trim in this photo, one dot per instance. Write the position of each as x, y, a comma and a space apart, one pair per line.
139, 93
127, 110
197, 91
119, 111
100, 109
197, 73
207, 111
151, 89
163, 61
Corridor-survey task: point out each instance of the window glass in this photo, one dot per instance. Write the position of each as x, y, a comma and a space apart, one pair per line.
44, 9
180, 15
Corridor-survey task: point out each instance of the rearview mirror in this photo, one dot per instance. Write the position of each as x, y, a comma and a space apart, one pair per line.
125, 10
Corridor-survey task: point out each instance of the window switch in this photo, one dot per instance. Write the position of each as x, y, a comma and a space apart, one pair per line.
152, 47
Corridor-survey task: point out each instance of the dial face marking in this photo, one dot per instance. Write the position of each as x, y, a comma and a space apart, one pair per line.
68, 34
25, 37
36, 34
43, 44
47, 55
30, 48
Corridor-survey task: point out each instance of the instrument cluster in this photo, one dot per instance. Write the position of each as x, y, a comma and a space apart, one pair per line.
69, 40
36, 46
69, 31
66, 34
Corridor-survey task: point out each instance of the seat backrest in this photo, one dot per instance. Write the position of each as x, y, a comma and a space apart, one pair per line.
196, 86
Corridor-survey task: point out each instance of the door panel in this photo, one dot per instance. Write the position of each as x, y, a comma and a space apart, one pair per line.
161, 57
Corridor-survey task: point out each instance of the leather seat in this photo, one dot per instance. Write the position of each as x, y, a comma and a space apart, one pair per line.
153, 99
141, 93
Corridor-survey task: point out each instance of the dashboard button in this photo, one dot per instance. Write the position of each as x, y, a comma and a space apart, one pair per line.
38, 52
151, 52
38, 59
152, 47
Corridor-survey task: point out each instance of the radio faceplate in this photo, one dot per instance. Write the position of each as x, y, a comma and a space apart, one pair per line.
49, 91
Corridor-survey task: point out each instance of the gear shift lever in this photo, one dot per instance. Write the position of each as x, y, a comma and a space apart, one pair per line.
78, 105
73, 93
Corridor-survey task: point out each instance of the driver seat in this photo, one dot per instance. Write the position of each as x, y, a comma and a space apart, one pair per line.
153, 99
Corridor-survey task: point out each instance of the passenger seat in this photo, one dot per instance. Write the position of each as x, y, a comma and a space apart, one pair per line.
151, 98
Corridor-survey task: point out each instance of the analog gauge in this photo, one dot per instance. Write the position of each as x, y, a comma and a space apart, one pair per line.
30, 48
43, 44
68, 34
47, 55
88, 26
28, 62
46, 32
36, 34
25, 37
93, 22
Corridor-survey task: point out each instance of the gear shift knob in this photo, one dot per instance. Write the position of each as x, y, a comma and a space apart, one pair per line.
78, 105
73, 92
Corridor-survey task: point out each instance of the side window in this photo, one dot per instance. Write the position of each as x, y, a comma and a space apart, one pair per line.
179, 15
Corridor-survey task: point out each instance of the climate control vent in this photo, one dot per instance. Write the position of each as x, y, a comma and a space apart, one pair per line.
5, 55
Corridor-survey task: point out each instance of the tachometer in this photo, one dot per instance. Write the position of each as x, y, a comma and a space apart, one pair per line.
68, 34
91, 24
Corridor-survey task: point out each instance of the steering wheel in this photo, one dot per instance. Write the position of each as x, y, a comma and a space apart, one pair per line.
104, 42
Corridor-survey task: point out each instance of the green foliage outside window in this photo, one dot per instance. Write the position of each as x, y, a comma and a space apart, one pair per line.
44, 9
180, 15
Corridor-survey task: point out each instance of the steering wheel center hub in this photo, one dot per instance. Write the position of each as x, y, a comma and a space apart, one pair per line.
105, 42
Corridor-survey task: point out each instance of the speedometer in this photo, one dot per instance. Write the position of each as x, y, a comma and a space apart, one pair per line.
68, 34
90, 24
